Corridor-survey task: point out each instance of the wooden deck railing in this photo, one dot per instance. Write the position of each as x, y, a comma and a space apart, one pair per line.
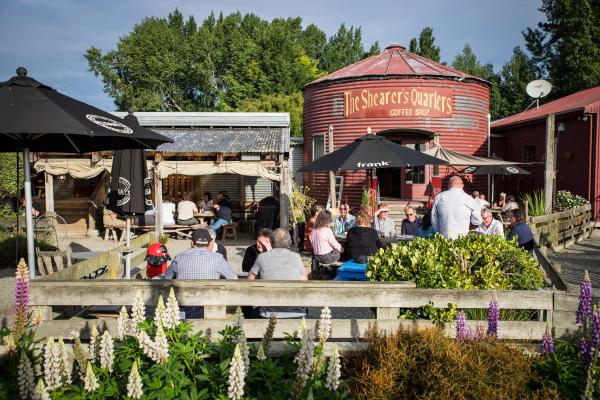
217, 296
559, 229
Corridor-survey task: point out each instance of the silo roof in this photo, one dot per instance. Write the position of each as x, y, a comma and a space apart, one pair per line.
396, 62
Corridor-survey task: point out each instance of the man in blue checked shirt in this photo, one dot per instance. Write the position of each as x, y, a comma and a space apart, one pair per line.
200, 262
344, 221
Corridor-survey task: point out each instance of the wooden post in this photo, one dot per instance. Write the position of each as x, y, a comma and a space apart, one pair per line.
158, 220
284, 195
332, 193
549, 174
114, 265
49, 191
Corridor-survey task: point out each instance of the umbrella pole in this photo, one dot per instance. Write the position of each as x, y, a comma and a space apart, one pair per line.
127, 244
28, 215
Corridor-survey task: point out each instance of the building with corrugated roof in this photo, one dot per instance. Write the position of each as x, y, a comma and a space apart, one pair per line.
408, 99
522, 137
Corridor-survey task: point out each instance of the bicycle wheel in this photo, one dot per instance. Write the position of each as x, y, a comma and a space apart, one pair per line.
50, 228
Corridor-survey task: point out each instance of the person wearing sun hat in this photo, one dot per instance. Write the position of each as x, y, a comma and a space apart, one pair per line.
200, 262
382, 223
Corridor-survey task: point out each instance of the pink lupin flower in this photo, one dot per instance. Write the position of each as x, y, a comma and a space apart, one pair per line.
21, 299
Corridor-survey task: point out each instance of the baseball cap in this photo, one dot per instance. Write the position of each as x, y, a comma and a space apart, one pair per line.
201, 236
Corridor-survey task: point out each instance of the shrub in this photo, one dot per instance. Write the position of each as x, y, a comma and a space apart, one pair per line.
425, 364
8, 246
565, 200
301, 203
469, 262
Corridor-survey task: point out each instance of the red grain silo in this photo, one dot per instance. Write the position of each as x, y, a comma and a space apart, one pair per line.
408, 99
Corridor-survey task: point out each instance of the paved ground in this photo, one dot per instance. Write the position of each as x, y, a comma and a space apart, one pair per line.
575, 260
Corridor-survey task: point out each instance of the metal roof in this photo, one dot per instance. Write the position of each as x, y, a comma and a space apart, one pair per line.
208, 119
226, 140
396, 62
587, 100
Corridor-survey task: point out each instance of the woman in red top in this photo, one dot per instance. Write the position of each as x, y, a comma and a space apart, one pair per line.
308, 228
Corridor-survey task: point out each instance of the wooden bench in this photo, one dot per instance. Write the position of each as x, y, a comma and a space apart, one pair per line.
231, 230
50, 262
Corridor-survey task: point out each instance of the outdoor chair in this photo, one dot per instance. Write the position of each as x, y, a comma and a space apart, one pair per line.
231, 230
110, 233
50, 262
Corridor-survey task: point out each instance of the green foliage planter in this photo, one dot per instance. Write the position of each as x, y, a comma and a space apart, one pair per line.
469, 262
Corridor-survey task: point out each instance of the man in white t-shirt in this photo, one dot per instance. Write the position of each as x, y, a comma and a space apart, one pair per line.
167, 209
185, 211
453, 210
490, 226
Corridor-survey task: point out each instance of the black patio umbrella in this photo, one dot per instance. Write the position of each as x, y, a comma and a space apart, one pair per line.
371, 152
509, 169
35, 117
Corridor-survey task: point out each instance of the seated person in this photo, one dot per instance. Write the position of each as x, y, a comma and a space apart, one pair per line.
167, 209
185, 211
279, 264
223, 199
483, 203
344, 221
206, 203
326, 248
264, 242
501, 201
489, 226
310, 224
362, 240
382, 223
200, 262
511, 204
520, 229
222, 215
426, 230
411, 223
218, 247
111, 220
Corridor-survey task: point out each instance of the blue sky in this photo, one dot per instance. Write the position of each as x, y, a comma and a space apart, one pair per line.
49, 37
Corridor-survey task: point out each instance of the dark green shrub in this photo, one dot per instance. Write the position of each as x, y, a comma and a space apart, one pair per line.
8, 247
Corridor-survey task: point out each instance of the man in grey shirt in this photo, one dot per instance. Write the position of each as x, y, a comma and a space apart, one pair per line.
279, 263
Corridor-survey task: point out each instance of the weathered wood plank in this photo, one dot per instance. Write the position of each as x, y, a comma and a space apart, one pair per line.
561, 214
340, 328
280, 293
564, 323
550, 271
566, 302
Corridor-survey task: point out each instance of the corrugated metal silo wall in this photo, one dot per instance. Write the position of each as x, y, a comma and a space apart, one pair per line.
466, 131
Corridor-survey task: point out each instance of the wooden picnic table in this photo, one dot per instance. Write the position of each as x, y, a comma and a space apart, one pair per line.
204, 214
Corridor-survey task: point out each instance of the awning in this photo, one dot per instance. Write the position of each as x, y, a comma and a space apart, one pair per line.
456, 158
80, 168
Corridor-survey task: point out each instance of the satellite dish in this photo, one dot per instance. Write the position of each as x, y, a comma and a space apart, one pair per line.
538, 88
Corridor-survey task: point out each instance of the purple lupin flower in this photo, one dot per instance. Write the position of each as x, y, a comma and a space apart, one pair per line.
596, 328
462, 330
585, 351
21, 299
584, 310
492, 317
547, 341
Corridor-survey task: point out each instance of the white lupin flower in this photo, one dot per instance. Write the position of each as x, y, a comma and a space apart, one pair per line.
51, 364
324, 325
138, 312
25, 377
38, 316
237, 375
90, 382
245, 351
159, 313
238, 319
161, 345
122, 324
260, 353
74, 335
171, 318
305, 357
65, 367
147, 345
134, 383
333, 371
302, 326
94, 343
106, 351
40, 391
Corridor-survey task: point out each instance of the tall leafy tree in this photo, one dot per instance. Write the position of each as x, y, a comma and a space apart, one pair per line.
291, 103
345, 48
565, 48
425, 46
515, 75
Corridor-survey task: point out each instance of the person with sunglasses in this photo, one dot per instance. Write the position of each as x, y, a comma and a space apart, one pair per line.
410, 224
344, 221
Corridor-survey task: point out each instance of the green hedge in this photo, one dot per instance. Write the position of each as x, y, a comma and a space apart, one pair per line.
469, 262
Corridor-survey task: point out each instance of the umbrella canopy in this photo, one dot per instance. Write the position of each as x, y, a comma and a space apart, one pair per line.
370, 152
37, 117
456, 158
508, 169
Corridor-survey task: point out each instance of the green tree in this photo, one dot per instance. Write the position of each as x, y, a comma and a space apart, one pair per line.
515, 75
565, 48
345, 48
291, 103
467, 62
425, 46
8, 174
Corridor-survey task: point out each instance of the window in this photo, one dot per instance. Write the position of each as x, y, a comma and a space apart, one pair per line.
318, 146
415, 174
529, 153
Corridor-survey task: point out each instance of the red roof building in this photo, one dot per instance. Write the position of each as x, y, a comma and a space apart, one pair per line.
522, 137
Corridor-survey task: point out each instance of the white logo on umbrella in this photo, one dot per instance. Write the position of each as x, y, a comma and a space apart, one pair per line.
109, 123
512, 170
469, 170
148, 191
124, 192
